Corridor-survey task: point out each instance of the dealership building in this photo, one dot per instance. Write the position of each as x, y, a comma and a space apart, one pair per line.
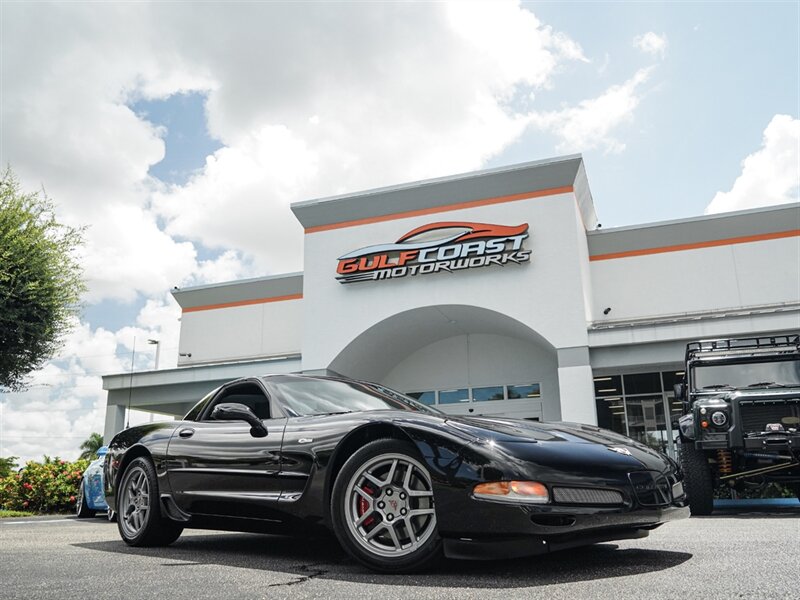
490, 293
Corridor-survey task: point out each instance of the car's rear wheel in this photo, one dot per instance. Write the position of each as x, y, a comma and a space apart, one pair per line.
82, 510
139, 517
383, 509
698, 479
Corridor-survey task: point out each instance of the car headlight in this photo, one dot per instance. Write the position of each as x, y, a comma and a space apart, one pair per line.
513, 491
719, 418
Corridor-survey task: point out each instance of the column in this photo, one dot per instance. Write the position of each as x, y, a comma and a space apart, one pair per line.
115, 421
576, 385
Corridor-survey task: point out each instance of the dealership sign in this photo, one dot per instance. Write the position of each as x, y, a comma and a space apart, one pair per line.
437, 248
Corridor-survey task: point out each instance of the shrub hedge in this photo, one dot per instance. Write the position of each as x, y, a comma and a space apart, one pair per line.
43, 487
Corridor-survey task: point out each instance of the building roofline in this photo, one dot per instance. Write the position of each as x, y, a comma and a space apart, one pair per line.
257, 290
552, 176
694, 219
706, 231
436, 180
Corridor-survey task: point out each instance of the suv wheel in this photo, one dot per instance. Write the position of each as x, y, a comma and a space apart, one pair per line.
139, 517
698, 479
383, 510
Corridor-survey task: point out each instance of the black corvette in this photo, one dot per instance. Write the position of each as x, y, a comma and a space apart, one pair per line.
399, 483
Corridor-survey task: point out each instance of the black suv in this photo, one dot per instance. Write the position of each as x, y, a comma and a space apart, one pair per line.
741, 416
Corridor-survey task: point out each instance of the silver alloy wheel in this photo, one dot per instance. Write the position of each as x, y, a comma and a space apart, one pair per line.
79, 501
135, 502
389, 505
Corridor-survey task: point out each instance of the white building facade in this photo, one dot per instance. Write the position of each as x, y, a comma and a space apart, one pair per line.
491, 293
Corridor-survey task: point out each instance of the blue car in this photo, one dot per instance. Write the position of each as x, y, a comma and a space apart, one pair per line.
91, 498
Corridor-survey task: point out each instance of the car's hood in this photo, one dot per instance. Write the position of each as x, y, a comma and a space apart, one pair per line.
552, 441
519, 430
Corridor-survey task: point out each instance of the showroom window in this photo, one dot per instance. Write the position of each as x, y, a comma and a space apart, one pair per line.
453, 396
428, 398
487, 393
641, 406
524, 391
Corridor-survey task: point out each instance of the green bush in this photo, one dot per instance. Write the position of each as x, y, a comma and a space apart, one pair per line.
43, 487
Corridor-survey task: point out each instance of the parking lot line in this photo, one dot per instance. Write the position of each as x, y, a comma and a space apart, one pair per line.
37, 522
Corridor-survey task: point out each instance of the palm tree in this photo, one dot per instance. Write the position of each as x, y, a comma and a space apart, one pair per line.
91, 446
7, 465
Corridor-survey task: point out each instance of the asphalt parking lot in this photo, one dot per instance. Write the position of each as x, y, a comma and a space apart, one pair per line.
730, 555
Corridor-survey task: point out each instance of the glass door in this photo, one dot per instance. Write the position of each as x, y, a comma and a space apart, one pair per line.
646, 422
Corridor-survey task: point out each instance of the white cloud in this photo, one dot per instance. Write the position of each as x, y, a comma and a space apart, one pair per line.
308, 101
651, 43
66, 402
591, 124
413, 90
771, 175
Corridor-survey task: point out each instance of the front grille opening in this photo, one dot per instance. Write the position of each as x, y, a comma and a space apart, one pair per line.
651, 488
756, 415
553, 520
568, 495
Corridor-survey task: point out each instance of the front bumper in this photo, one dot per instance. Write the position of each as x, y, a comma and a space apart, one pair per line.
559, 528
773, 442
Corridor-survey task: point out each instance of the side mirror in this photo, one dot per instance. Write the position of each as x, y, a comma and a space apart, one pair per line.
680, 391
102, 451
233, 411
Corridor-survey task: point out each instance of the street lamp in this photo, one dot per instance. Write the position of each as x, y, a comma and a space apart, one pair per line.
158, 350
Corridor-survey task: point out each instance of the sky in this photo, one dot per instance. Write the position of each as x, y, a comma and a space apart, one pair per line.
179, 133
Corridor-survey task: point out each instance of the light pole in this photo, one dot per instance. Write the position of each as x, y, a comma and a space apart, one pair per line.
158, 350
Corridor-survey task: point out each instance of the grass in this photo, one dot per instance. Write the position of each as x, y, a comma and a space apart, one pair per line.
14, 513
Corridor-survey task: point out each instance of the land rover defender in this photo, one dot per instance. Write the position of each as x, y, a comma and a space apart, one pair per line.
741, 416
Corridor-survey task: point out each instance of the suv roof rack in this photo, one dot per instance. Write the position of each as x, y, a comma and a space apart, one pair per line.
787, 343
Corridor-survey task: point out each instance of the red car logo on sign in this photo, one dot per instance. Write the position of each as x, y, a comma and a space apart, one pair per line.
445, 246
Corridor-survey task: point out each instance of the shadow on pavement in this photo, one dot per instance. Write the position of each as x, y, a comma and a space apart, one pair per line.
754, 512
323, 558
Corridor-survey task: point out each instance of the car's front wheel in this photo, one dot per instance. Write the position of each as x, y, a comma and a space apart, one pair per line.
139, 517
383, 509
698, 479
82, 509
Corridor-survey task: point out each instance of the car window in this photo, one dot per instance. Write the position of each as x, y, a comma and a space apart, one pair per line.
309, 396
248, 394
198, 409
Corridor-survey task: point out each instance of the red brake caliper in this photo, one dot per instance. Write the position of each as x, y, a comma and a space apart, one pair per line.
363, 506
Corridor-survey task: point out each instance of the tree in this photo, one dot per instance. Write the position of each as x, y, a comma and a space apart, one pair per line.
91, 446
41, 281
7, 465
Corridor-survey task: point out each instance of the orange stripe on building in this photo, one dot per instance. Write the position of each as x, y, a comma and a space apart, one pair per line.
709, 244
440, 209
243, 303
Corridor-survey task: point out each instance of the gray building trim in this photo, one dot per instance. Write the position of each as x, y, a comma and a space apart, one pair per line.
201, 373
444, 191
577, 356
583, 195
272, 286
708, 228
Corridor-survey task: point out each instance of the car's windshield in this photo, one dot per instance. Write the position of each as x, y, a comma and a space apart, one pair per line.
746, 374
332, 396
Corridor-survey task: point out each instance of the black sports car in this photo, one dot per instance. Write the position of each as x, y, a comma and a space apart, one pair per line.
399, 483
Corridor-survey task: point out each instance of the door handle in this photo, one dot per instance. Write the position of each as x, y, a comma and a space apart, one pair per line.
186, 432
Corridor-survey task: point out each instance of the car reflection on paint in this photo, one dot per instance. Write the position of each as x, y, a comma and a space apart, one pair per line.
399, 483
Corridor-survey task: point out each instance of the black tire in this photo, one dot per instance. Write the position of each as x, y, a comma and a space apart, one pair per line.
81, 508
140, 526
411, 517
698, 479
